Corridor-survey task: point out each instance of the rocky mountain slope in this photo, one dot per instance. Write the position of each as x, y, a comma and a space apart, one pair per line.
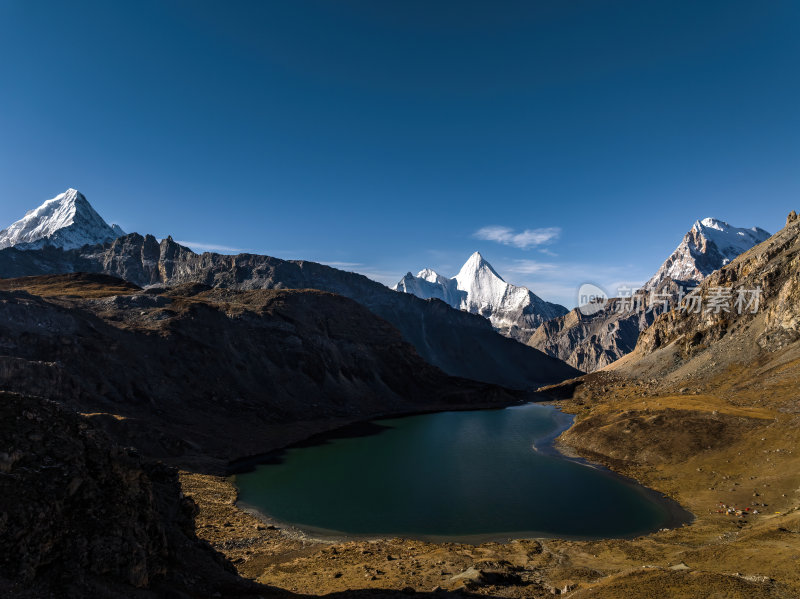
179, 373
592, 341
67, 221
83, 517
750, 310
477, 288
707, 409
459, 343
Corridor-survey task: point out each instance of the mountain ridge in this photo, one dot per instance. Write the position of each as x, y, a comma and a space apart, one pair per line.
593, 341
459, 343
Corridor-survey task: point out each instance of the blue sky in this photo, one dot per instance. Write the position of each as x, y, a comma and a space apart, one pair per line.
582, 138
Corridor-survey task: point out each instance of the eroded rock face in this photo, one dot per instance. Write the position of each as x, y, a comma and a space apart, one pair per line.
82, 517
590, 342
459, 343
593, 342
773, 268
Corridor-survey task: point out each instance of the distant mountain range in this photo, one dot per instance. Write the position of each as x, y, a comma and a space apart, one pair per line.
459, 343
592, 340
477, 288
65, 234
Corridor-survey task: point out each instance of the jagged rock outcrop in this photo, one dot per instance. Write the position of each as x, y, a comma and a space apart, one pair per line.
749, 308
83, 517
477, 288
595, 340
459, 343
591, 341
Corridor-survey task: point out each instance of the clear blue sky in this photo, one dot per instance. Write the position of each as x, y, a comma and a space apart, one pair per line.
382, 136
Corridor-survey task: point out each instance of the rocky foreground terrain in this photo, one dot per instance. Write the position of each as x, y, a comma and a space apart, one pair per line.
83, 517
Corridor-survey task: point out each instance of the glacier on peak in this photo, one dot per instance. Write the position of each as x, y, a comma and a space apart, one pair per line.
478, 288
66, 221
709, 245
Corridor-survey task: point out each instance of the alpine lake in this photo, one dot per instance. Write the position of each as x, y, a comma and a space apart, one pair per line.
468, 476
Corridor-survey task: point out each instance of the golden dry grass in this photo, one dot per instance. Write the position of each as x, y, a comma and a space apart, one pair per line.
81, 285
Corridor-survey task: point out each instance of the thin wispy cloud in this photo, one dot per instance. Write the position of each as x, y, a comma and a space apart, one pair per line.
208, 247
559, 282
343, 265
523, 239
529, 267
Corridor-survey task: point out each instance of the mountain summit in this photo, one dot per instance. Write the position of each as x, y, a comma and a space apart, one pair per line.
477, 288
593, 341
708, 246
67, 221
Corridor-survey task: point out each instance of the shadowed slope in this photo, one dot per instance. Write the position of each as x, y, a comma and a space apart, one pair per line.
459, 343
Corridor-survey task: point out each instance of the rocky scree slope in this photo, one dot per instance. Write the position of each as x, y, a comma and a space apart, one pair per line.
459, 343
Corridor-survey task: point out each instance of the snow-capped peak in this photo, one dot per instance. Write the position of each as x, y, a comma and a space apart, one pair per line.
479, 289
485, 288
431, 276
66, 221
708, 246
730, 241
712, 223
477, 267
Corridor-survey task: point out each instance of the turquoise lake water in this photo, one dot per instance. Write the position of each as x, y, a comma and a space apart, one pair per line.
452, 476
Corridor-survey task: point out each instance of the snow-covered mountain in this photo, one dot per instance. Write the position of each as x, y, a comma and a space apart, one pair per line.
477, 288
708, 246
592, 341
67, 221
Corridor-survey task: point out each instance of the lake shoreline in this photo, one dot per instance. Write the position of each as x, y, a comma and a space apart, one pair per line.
546, 444
620, 567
